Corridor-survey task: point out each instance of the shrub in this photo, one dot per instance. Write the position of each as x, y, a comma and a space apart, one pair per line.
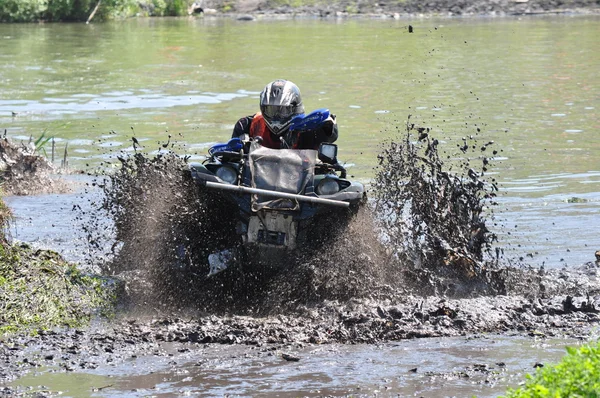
176, 8
65, 10
22, 10
577, 375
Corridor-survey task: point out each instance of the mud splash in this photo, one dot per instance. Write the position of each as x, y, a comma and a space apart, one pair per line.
435, 220
426, 232
165, 226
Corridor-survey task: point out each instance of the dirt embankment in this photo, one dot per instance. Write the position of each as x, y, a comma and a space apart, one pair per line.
397, 8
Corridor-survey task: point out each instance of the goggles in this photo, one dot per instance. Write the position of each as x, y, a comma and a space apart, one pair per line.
278, 112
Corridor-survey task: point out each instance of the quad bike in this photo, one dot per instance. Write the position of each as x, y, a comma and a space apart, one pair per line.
284, 199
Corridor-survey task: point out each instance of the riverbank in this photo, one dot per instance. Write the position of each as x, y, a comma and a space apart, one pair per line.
90, 10
394, 9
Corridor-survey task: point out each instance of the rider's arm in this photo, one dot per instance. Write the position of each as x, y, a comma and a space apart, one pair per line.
327, 132
242, 127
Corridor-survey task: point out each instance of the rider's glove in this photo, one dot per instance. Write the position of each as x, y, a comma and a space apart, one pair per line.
328, 124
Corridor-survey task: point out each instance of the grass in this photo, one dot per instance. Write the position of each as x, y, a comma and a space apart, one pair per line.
5, 218
39, 291
577, 375
40, 142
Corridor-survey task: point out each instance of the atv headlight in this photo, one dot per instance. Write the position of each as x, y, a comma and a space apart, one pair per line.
328, 186
227, 174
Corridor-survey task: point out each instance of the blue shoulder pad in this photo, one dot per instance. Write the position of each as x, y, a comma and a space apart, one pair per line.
311, 121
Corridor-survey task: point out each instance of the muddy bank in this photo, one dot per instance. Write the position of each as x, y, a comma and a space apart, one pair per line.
23, 171
398, 316
396, 9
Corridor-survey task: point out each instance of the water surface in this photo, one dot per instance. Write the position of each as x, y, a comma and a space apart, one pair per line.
529, 84
482, 366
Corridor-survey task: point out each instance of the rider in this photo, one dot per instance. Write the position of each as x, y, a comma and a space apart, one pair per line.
280, 101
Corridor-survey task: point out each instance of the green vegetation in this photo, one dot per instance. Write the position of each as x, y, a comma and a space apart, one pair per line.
21, 10
577, 375
80, 10
39, 290
5, 217
40, 142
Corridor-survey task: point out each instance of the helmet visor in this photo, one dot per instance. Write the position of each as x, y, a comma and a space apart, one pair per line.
278, 112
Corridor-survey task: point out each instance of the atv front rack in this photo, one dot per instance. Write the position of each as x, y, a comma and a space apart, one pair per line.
275, 194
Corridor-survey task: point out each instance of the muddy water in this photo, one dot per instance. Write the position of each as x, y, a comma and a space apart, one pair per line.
54, 221
482, 366
538, 231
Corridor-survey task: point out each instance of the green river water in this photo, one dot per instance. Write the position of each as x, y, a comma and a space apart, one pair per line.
532, 85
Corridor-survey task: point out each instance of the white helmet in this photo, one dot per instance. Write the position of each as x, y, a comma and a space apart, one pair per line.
280, 101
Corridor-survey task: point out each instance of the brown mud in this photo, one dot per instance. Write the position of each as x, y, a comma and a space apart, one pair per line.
370, 321
418, 262
25, 172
